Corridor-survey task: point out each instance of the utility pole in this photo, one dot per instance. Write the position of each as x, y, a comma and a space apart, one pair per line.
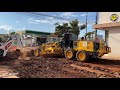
86, 23
96, 23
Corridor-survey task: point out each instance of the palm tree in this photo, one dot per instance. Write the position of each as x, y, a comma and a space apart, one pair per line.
75, 28
89, 34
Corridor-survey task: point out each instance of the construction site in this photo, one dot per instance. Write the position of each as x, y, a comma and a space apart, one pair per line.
37, 54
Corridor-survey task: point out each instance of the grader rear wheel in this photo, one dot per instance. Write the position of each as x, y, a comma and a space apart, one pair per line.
82, 56
37, 53
70, 53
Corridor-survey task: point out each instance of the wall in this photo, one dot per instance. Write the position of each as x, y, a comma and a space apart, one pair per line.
114, 41
104, 17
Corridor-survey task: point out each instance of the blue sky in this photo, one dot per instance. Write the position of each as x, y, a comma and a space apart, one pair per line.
16, 21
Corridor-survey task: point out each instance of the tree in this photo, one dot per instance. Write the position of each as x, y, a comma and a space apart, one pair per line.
61, 29
89, 34
12, 33
73, 28
58, 29
82, 26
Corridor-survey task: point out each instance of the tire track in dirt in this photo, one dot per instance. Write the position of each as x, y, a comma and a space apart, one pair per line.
99, 73
100, 69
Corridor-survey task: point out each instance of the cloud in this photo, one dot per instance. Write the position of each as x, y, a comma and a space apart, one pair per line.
38, 21
6, 28
82, 15
48, 20
68, 14
17, 21
23, 28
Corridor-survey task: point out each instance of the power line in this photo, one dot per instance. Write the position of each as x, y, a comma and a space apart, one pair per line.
38, 14
42, 14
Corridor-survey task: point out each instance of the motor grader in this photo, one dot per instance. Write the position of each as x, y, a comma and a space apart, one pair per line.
83, 50
87, 48
72, 48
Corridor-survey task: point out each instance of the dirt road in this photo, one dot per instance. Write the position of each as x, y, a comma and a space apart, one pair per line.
62, 68
13, 67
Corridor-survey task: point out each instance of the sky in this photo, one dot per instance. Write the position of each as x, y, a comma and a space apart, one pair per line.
17, 21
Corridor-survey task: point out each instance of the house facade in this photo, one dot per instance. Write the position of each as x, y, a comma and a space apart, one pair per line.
110, 23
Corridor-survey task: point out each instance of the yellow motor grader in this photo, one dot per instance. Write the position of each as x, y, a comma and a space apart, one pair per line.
83, 50
87, 48
73, 48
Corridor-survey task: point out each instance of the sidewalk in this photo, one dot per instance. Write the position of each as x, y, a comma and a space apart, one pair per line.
110, 57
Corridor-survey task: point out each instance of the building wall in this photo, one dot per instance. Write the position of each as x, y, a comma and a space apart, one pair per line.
114, 41
104, 17
114, 32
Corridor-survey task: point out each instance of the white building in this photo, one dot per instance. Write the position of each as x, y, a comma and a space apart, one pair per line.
110, 23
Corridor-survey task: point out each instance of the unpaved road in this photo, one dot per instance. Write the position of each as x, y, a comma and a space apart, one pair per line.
13, 67
62, 68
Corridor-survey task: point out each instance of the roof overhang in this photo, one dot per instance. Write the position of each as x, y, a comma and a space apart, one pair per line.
106, 25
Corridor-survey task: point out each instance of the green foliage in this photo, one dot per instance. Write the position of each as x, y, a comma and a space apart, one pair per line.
12, 33
89, 34
73, 27
60, 29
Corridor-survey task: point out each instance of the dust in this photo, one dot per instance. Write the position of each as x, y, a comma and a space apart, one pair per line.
23, 54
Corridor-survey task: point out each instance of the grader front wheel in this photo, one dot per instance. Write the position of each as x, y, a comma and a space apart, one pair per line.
70, 54
82, 56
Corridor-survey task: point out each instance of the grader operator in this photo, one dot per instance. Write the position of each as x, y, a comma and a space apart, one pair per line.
72, 48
